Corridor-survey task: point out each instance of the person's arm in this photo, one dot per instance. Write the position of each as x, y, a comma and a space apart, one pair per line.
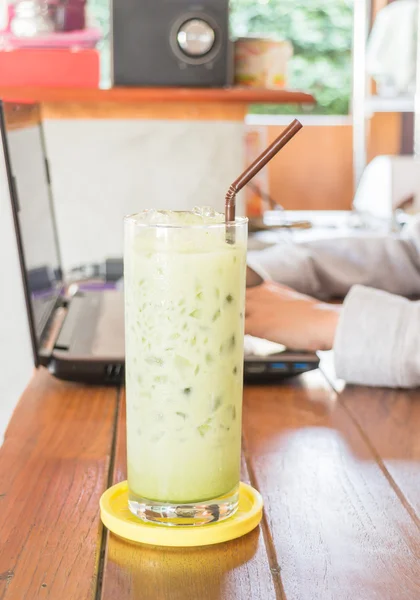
280, 314
377, 339
252, 278
329, 268
375, 335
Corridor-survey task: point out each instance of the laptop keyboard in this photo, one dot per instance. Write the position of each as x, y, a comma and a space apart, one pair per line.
78, 328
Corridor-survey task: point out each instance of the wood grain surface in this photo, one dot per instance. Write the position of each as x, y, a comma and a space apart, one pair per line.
390, 421
339, 529
53, 470
338, 471
239, 569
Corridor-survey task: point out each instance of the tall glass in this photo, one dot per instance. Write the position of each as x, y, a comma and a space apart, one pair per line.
184, 307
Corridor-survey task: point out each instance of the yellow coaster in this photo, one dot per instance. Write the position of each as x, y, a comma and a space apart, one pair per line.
117, 517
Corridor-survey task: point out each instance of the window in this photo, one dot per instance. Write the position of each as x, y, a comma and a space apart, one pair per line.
321, 34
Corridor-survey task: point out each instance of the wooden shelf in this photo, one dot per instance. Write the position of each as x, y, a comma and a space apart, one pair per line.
234, 95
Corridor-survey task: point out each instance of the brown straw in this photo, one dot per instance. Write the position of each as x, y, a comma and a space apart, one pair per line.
285, 137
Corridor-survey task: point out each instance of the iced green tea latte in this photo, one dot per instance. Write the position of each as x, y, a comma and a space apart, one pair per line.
184, 299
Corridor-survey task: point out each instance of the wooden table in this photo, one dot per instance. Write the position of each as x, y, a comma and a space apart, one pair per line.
338, 469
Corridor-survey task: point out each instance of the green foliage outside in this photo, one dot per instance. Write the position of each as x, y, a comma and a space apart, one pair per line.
320, 31
321, 34
100, 14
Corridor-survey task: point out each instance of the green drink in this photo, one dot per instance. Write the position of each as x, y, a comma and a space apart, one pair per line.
184, 291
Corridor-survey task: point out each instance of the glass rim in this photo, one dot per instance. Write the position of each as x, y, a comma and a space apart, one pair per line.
132, 220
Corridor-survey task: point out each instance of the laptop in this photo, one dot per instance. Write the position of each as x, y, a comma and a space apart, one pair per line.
80, 337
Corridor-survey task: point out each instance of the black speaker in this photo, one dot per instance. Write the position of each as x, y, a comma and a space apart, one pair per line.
171, 43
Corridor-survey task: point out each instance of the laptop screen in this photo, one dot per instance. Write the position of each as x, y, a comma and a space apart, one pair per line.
28, 172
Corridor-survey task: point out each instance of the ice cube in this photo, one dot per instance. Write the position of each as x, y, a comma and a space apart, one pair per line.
157, 217
206, 212
200, 215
